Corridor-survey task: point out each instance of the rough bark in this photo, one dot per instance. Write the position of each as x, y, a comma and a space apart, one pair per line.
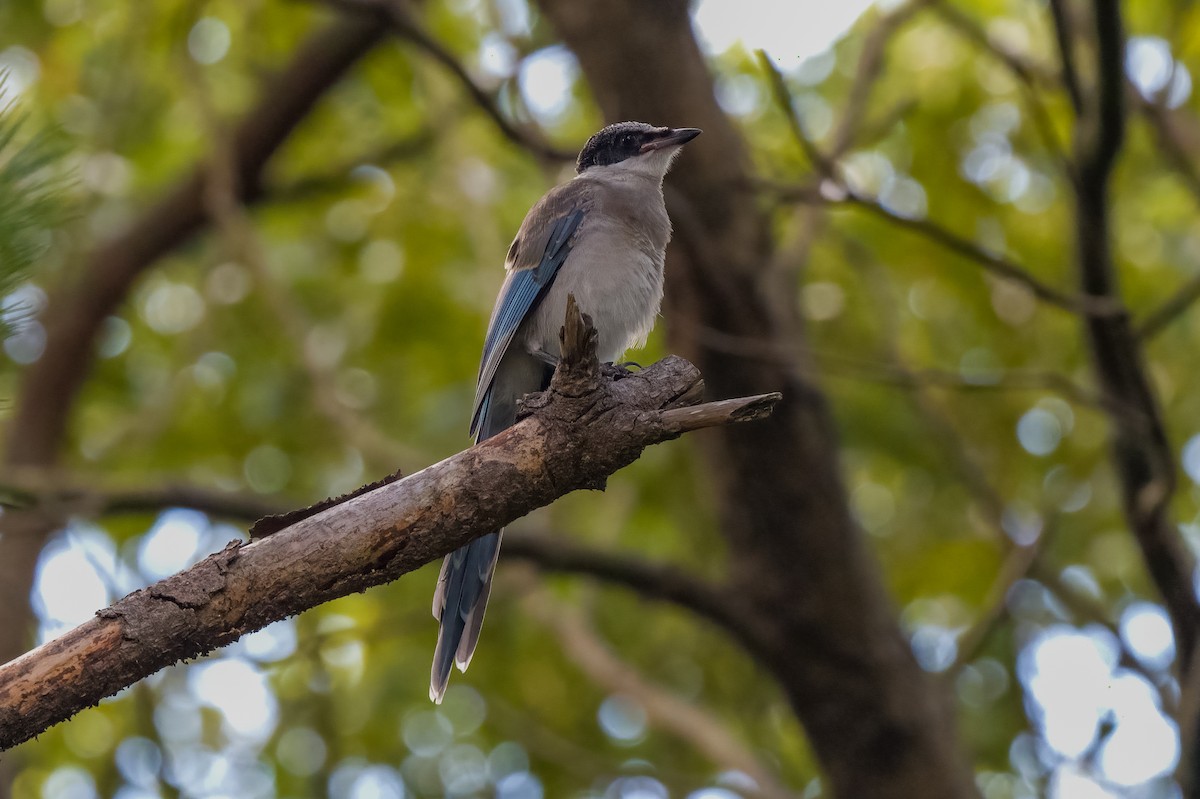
581, 430
879, 725
58, 497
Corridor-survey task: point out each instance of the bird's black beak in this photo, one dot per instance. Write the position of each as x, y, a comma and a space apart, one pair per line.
671, 137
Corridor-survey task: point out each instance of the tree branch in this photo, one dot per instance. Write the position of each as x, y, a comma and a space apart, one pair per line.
663, 708
1141, 453
1031, 76
712, 601
57, 495
834, 190
1107, 129
578, 432
1065, 40
783, 98
838, 365
997, 265
404, 23
1171, 142
866, 74
1171, 309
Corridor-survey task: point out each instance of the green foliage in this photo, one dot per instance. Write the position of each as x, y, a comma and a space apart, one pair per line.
387, 262
32, 198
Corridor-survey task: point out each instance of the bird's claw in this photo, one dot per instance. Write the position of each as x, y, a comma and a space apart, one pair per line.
617, 371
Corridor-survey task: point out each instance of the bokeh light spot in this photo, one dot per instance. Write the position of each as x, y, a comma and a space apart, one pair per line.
208, 40
622, 719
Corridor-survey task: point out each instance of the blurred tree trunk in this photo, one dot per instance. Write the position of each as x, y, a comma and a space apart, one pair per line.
828, 633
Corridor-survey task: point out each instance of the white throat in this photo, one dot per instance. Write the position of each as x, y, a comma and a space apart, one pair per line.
653, 165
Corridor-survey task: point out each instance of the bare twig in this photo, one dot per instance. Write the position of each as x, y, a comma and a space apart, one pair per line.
995, 264
838, 365
1016, 566
663, 709
721, 412
834, 190
1065, 39
1026, 69
1032, 78
707, 599
870, 67
404, 23
63, 495
783, 98
866, 75
222, 199
1171, 309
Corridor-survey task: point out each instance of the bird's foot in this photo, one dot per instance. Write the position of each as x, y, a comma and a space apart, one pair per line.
618, 371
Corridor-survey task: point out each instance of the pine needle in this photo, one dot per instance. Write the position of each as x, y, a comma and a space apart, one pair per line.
32, 200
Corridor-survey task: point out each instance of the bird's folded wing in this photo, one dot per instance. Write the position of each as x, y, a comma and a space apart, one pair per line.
522, 289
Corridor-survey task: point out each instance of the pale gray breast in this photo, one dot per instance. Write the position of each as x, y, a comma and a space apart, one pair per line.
615, 269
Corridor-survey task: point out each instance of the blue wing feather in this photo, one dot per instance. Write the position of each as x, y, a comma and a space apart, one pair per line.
521, 293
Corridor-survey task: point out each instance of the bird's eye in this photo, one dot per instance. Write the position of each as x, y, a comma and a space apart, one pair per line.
627, 140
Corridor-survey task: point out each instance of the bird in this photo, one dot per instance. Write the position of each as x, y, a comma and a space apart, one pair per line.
601, 236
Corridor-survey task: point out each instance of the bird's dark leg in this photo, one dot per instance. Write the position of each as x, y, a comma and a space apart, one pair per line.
613, 371
545, 357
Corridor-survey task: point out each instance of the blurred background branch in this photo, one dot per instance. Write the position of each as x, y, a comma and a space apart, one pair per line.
664, 709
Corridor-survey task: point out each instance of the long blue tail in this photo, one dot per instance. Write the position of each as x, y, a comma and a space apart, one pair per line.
466, 578
459, 604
